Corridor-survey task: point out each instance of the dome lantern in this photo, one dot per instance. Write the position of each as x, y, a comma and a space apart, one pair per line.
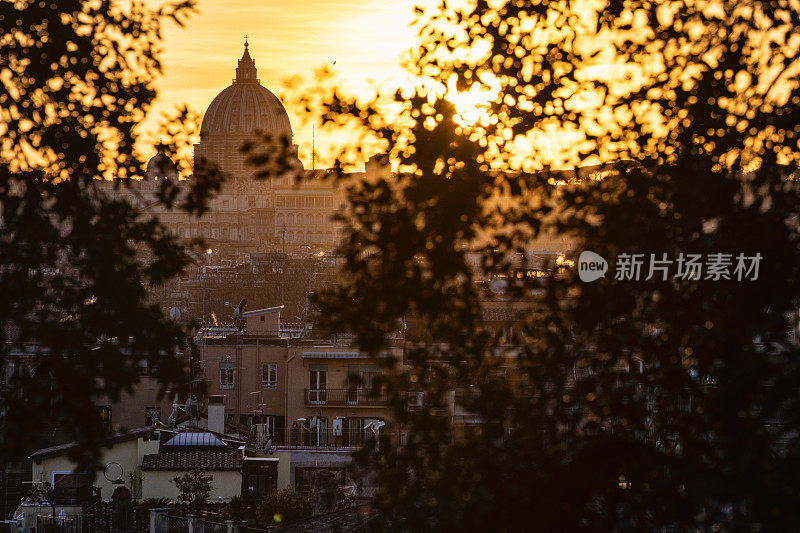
246, 71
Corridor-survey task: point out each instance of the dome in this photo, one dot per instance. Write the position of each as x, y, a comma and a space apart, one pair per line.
161, 166
246, 106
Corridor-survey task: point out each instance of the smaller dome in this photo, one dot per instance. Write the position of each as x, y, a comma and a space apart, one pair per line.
161, 166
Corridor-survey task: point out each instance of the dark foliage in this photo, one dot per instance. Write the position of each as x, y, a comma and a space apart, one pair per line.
75, 262
194, 488
241, 507
616, 405
283, 507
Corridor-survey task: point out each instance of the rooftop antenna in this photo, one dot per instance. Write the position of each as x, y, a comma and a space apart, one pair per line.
313, 150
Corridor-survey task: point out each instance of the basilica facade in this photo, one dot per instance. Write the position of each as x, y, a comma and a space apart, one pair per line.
253, 214
249, 215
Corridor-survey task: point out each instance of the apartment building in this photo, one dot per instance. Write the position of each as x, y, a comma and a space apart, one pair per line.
290, 388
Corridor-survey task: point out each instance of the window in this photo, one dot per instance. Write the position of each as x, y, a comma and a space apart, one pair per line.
269, 376
251, 201
71, 487
260, 477
308, 478
226, 204
227, 375
318, 384
151, 415
269, 425
361, 384
363, 376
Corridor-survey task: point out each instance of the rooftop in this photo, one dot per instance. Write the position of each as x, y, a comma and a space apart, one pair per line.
195, 438
193, 459
63, 449
266, 310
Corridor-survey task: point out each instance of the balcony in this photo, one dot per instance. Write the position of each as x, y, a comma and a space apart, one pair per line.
324, 437
345, 397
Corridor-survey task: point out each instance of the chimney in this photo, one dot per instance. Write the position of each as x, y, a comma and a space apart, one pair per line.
216, 413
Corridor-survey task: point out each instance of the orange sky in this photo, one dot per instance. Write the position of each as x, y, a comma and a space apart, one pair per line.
287, 38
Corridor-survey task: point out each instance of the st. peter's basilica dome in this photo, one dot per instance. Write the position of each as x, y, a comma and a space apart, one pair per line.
246, 106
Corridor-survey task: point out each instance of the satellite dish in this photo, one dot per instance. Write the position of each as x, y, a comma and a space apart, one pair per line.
237, 312
175, 313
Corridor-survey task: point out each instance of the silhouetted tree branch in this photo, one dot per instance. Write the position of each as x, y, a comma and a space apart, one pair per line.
617, 404
76, 261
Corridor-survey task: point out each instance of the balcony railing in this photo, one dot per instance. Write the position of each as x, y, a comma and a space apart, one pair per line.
345, 397
321, 437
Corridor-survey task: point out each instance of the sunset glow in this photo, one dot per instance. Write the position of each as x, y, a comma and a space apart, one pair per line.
362, 42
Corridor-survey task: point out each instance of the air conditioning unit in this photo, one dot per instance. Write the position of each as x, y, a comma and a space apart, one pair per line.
415, 399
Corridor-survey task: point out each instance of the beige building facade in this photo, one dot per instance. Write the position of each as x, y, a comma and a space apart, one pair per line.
225, 484
294, 391
121, 462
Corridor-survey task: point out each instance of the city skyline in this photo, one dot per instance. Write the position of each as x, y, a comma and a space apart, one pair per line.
286, 40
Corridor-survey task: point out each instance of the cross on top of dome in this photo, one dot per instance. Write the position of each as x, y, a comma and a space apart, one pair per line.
246, 71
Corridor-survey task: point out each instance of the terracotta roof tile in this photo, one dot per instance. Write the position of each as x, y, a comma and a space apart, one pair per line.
190, 460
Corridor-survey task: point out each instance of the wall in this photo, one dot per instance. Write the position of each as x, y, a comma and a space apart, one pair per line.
288, 399
264, 322
284, 468
128, 454
248, 353
158, 484
234, 224
129, 411
337, 378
